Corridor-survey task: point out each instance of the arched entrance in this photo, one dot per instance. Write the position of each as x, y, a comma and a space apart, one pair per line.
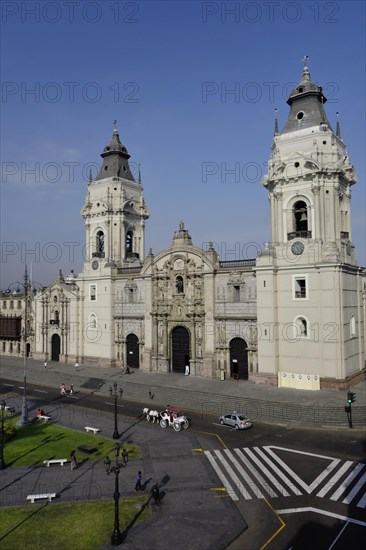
180, 349
133, 351
55, 347
238, 359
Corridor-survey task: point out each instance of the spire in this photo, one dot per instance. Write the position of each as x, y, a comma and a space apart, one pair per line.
115, 159
276, 123
26, 280
338, 127
305, 77
90, 176
139, 176
306, 103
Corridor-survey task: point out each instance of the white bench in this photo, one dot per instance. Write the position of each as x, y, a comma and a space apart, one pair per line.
60, 461
44, 417
94, 430
49, 496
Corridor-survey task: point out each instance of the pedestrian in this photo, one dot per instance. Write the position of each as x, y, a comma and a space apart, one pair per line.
73, 461
71, 389
128, 370
39, 413
151, 395
45, 364
138, 486
62, 389
76, 366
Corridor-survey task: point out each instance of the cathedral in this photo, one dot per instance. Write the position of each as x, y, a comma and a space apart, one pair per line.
292, 317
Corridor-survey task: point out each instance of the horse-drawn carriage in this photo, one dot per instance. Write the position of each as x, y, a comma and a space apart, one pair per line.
171, 416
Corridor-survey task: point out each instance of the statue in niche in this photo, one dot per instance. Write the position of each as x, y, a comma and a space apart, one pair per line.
199, 330
160, 329
199, 349
179, 285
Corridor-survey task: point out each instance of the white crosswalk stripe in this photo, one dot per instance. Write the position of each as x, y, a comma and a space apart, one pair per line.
257, 472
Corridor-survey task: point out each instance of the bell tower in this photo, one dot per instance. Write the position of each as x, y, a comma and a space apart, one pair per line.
115, 211
308, 281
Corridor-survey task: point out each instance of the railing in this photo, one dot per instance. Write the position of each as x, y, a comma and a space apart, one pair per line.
299, 234
238, 263
300, 293
344, 235
98, 255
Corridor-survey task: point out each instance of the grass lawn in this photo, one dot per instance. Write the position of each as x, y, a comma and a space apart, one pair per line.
37, 442
82, 525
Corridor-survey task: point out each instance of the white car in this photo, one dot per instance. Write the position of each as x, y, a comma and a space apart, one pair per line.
236, 420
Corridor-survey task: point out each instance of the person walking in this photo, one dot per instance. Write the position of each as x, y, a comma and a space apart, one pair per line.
62, 389
76, 366
71, 389
151, 395
138, 486
45, 364
73, 461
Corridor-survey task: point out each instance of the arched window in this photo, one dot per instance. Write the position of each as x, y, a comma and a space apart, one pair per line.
179, 284
129, 240
55, 299
56, 316
301, 326
100, 244
300, 216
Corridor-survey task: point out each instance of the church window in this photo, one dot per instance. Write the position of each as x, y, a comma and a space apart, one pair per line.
300, 287
55, 299
129, 239
236, 293
300, 216
352, 326
131, 296
19, 304
301, 328
11, 304
106, 168
93, 293
57, 316
179, 284
4, 304
100, 245
297, 164
300, 115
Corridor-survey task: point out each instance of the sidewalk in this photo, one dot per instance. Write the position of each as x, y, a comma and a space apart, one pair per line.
323, 408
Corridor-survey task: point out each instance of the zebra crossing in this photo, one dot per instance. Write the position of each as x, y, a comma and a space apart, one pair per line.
259, 472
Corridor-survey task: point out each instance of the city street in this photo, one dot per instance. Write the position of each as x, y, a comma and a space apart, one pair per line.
288, 483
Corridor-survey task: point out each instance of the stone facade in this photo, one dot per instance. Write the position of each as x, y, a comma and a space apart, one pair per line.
294, 316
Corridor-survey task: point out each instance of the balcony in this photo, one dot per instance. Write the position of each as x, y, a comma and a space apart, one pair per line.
299, 235
54, 322
344, 235
98, 255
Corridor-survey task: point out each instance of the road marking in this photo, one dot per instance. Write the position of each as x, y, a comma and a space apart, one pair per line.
247, 478
281, 475
283, 525
346, 482
322, 512
355, 490
331, 483
305, 486
242, 490
254, 469
10, 385
107, 403
41, 391
225, 482
262, 481
198, 450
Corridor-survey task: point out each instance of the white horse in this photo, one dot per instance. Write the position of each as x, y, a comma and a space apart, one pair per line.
151, 416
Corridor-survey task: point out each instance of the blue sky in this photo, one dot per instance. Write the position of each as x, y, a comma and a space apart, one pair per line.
164, 70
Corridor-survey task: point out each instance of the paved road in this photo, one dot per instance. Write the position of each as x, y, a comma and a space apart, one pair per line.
260, 402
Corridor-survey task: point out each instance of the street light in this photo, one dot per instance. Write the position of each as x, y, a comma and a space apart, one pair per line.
2, 461
116, 537
113, 393
26, 286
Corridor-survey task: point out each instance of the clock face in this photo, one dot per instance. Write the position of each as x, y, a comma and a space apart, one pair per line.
95, 264
297, 248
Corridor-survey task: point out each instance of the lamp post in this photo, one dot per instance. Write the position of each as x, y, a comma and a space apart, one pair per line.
116, 537
26, 286
2, 461
113, 393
